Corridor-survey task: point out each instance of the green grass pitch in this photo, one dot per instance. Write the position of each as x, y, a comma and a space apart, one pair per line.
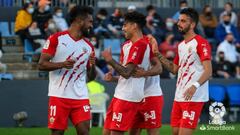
165, 130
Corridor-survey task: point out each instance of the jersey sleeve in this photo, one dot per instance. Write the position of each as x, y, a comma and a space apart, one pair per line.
136, 53
51, 45
204, 51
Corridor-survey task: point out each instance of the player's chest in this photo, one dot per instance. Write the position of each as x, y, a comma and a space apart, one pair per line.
73, 50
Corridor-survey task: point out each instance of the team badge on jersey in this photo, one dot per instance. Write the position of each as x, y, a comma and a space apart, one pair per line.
46, 45
51, 120
134, 55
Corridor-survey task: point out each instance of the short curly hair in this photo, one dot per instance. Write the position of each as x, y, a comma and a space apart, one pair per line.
136, 17
80, 11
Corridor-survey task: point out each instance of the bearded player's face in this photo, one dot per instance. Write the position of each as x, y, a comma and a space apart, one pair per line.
184, 24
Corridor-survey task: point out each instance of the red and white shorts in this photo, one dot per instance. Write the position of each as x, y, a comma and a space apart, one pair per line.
120, 114
60, 109
186, 114
150, 113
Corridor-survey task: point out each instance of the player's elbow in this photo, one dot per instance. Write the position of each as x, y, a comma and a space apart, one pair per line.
126, 75
41, 66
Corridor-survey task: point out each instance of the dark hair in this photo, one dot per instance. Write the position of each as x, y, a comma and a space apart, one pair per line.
229, 3
149, 7
136, 17
192, 13
103, 11
56, 9
80, 11
26, 5
183, 2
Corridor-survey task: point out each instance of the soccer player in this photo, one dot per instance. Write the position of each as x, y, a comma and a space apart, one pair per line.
129, 92
69, 57
193, 65
149, 116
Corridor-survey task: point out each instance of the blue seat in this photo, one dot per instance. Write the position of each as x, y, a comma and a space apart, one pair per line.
217, 92
28, 50
12, 26
114, 44
4, 29
233, 92
6, 76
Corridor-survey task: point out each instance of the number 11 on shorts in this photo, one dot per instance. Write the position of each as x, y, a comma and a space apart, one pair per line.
53, 109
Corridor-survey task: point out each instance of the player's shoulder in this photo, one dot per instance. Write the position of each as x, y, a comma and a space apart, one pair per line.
142, 41
201, 39
128, 42
58, 34
88, 42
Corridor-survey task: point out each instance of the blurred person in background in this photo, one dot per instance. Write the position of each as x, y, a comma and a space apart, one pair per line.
100, 25
36, 37
228, 7
228, 47
23, 20
208, 21
171, 27
223, 68
168, 45
226, 27
131, 8
182, 4
42, 14
115, 23
59, 19
154, 24
51, 27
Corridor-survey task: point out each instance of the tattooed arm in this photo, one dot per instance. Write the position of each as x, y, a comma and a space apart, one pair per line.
125, 72
169, 65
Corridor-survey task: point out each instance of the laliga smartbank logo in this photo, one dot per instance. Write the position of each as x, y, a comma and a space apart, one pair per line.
216, 122
217, 111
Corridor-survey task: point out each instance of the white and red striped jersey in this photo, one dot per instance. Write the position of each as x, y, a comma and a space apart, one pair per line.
138, 53
152, 86
189, 58
68, 83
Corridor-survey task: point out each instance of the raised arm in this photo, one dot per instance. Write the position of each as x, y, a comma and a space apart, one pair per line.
125, 72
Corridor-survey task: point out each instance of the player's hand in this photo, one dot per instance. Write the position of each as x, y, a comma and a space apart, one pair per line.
108, 77
92, 59
188, 94
68, 64
140, 72
107, 54
153, 42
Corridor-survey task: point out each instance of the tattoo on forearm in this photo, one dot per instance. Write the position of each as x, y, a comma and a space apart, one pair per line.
123, 71
166, 63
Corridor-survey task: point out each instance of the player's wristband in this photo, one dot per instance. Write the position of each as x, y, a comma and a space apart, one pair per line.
196, 84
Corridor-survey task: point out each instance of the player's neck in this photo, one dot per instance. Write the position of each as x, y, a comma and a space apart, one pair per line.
189, 36
73, 31
136, 36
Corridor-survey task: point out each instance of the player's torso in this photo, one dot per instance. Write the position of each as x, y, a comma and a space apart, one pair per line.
70, 83
190, 68
132, 89
152, 86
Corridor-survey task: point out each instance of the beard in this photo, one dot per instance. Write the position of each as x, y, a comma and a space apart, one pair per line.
183, 31
86, 32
